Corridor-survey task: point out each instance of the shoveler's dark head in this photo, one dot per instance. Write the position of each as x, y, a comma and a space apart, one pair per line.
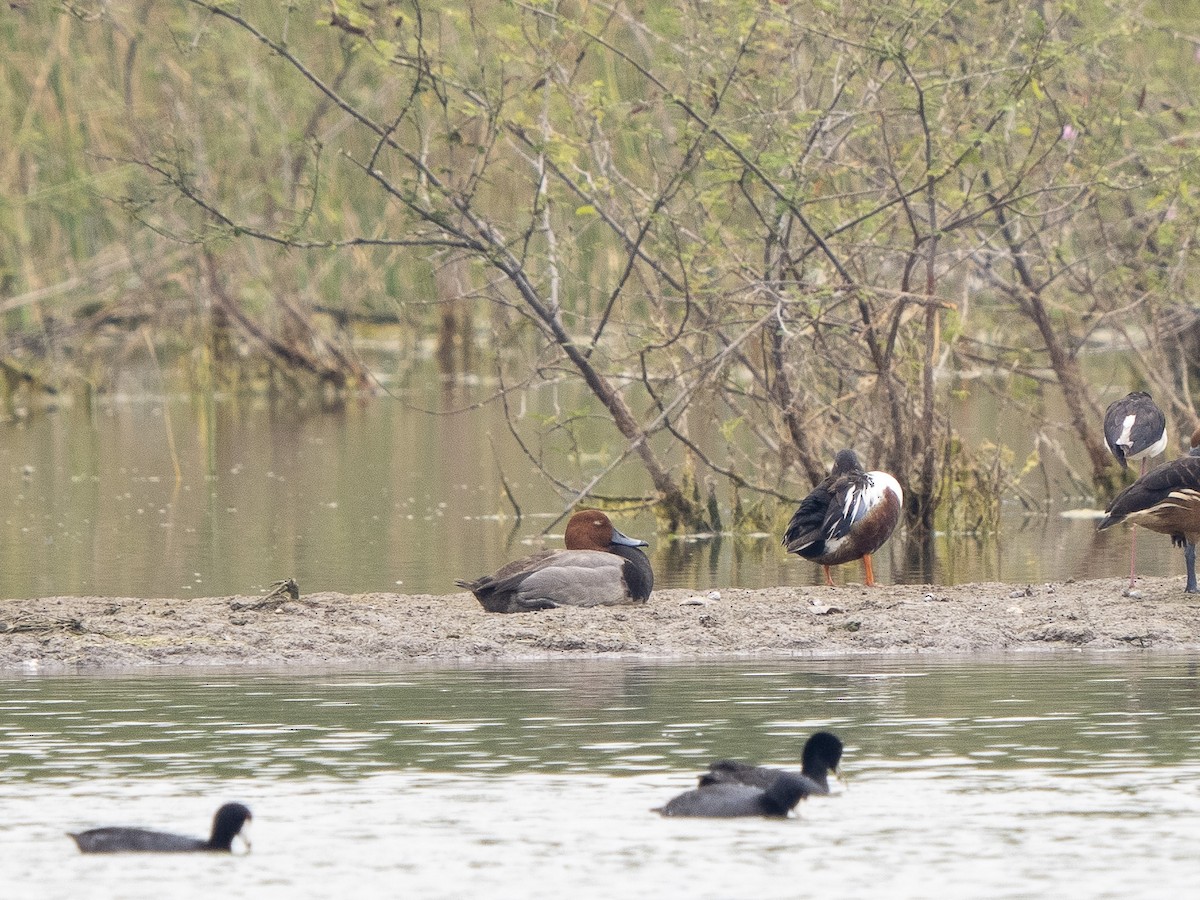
844, 463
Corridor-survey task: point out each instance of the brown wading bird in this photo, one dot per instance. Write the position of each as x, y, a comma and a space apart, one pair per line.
600, 567
847, 516
1167, 500
1135, 429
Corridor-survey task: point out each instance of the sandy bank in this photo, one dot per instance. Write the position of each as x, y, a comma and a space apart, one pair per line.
92, 633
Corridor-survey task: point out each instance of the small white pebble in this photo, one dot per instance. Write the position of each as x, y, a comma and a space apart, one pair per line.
1015, 610
929, 597
714, 595
1132, 594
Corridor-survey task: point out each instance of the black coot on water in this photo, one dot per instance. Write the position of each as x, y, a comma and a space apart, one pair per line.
227, 823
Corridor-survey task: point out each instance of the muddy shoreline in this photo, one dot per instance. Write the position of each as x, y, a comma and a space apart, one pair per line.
92, 634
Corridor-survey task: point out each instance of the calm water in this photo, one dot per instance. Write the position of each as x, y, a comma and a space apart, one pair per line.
394, 494
1073, 776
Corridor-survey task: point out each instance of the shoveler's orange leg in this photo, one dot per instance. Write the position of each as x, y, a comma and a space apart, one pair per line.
828, 576
869, 570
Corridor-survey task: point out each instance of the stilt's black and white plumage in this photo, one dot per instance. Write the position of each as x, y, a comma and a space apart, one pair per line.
1135, 429
1167, 500
847, 516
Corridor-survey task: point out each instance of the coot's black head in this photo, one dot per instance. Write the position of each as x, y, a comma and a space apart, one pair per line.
226, 824
822, 753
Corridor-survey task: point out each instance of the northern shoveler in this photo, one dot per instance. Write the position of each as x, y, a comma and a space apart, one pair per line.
1135, 429
1167, 500
599, 567
847, 516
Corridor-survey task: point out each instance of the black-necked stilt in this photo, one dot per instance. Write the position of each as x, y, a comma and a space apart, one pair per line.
1135, 429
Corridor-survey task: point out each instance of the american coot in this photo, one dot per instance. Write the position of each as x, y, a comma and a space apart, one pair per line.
847, 516
1167, 500
1134, 429
822, 754
226, 824
600, 567
728, 800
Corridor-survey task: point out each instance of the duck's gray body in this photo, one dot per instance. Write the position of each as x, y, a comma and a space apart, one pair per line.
553, 578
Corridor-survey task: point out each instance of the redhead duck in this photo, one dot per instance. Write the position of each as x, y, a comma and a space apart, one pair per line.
727, 800
600, 567
847, 516
227, 823
822, 754
1134, 429
1167, 500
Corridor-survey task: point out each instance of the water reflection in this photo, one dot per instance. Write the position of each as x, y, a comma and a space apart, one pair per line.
383, 497
596, 717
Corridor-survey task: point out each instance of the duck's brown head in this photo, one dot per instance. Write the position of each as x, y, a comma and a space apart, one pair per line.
591, 529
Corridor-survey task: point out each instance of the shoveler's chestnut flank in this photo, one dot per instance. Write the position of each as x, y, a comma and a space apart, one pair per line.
847, 516
822, 754
1135, 429
1167, 500
600, 567
227, 823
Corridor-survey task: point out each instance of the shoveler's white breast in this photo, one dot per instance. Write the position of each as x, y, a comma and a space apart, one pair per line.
878, 484
859, 501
